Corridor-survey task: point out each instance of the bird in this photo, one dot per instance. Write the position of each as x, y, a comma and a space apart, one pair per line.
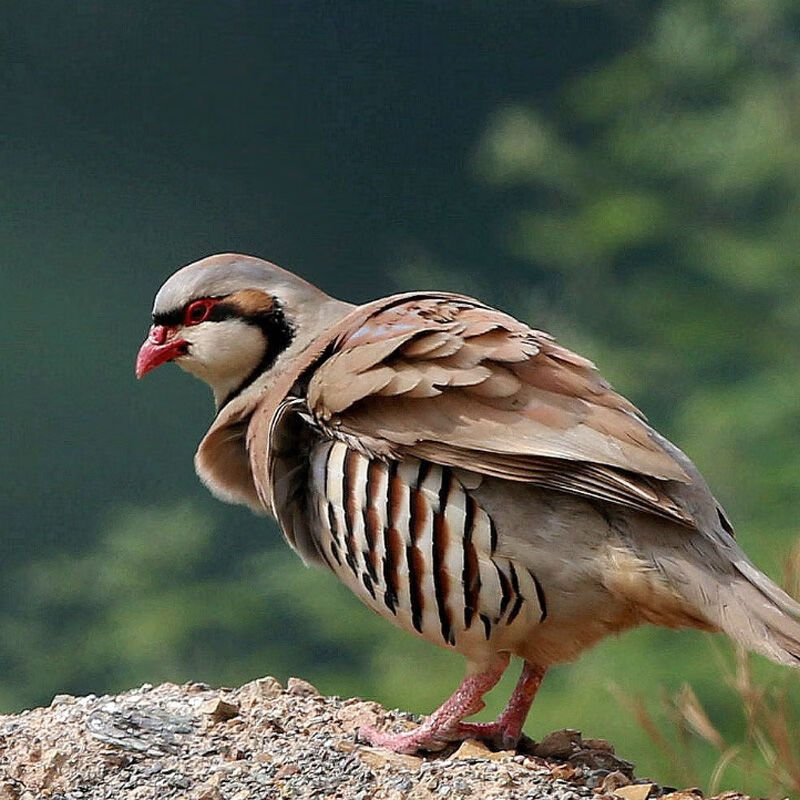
466, 476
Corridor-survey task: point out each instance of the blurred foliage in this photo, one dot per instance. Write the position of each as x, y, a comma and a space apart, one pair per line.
768, 747
625, 176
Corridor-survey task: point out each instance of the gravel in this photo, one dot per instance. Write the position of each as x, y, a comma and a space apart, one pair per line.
263, 742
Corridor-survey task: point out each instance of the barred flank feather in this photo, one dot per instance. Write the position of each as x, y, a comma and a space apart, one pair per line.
415, 546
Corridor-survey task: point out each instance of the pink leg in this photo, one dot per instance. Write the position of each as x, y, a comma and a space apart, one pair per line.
506, 730
444, 725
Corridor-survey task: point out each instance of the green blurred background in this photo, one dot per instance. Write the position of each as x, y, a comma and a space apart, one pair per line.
625, 175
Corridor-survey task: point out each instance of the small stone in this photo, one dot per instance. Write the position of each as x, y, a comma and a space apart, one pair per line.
52, 761
358, 715
595, 778
613, 781
559, 744
216, 779
115, 758
219, 709
10, 790
598, 744
636, 791
687, 794
472, 748
286, 771
601, 759
563, 772
206, 792
233, 753
62, 700
379, 758
301, 688
53, 757
261, 690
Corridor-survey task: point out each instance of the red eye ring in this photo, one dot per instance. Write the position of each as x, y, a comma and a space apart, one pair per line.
197, 311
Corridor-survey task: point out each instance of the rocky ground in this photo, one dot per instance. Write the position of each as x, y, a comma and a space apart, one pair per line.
264, 741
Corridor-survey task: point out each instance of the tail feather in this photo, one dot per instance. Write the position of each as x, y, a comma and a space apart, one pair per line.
723, 588
770, 590
755, 612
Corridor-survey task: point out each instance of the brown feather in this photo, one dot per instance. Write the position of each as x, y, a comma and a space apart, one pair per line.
463, 385
448, 379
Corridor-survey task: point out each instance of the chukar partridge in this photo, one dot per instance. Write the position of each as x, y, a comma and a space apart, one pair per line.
467, 477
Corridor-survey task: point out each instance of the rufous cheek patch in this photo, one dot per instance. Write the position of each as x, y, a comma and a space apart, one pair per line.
252, 302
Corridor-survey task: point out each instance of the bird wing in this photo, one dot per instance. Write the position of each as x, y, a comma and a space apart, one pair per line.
448, 379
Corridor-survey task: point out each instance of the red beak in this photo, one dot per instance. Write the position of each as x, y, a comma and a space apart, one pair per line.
161, 345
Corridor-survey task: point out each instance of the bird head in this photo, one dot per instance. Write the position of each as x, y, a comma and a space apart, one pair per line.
227, 319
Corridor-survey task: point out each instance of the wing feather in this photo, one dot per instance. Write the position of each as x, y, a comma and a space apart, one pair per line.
448, 379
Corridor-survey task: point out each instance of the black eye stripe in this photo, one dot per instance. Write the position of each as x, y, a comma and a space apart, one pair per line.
168, 318
219, 312
277, 329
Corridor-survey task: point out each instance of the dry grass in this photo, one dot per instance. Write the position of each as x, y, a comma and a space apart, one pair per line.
769, 748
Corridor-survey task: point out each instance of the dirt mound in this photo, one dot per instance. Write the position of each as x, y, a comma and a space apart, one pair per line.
264, 741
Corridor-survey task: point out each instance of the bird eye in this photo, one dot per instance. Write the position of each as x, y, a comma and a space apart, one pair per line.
197, 312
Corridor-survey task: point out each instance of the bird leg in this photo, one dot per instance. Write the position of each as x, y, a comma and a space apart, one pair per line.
444, 725
506, 730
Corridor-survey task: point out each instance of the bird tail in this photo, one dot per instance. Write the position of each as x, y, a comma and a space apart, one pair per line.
758, 614
715, 588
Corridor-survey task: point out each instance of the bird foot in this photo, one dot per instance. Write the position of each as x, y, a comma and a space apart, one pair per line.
499, 734
445, 725
409, 742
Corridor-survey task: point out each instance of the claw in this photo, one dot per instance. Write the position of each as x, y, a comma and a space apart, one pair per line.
445, 725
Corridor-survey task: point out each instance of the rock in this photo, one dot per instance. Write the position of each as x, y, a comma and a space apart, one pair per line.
597, 744
286, 771
301, 688
358, 715
219, 709
52, 761
601, 759
636, 791
380, 758
61, 700
10, 790
563, 772
559, 744
614, 781
471, 748
206, 792
261, 690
